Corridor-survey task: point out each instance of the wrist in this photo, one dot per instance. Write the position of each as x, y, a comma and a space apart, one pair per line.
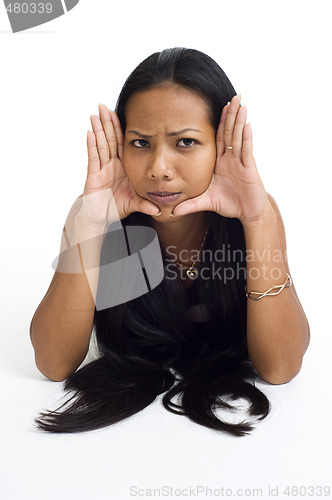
81, 220
267, 219
85, 230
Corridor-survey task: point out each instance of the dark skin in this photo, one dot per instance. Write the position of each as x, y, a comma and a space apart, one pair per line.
181, 162
213, 172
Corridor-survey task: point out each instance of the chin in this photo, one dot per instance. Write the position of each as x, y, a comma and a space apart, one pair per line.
165, 215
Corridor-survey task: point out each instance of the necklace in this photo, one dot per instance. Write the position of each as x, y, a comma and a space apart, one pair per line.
192, 272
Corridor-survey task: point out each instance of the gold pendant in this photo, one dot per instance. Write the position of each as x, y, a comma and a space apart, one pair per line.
192, 273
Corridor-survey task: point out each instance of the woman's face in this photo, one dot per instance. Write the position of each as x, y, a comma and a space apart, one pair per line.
169, 145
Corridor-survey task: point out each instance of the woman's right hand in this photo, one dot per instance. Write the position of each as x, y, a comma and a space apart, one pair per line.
108, 195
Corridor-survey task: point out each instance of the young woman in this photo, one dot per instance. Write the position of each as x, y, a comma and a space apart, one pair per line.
177, 157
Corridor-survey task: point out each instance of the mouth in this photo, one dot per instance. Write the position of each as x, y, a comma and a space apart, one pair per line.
164, 197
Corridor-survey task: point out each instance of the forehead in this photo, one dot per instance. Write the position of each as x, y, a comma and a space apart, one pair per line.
167, 105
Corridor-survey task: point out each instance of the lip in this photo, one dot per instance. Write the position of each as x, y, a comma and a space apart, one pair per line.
164, 197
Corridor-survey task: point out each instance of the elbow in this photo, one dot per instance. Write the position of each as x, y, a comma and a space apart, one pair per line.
55, 374
53, 365
277, 379
54, 377
281, 375
45, 367
285, 367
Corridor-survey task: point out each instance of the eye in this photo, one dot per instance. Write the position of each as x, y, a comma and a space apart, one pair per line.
187, 143
139, 143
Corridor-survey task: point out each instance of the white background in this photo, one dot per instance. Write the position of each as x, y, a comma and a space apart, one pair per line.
278, 54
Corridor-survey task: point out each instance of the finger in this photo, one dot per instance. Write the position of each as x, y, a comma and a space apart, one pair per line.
144, 206
230, 120
148, 208
108, 130
220, 132
102, 145
118, 133
247, 150
240, 122
198, 204
93, 163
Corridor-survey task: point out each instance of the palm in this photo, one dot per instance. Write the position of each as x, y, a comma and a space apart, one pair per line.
111, 176
108, 194
236, 189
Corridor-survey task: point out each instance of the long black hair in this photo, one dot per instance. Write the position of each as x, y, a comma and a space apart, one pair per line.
150, 345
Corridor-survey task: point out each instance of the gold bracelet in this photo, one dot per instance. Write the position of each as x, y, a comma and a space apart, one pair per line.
263, 294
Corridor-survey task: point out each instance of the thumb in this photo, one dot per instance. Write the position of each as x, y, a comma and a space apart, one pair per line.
199, 204
144, 206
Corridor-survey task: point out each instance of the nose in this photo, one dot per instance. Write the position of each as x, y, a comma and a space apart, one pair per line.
161, 166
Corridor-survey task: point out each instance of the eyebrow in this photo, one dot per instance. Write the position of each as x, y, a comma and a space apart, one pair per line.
169, 134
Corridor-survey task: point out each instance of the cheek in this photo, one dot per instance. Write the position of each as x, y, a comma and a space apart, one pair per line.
203, 166
201, 172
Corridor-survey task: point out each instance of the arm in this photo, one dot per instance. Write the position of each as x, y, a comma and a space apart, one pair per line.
277, 328
61, 327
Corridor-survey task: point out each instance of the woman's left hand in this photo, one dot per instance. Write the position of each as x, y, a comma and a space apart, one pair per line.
236, 189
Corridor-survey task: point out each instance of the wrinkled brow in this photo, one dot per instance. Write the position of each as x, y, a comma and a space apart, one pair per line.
168, 134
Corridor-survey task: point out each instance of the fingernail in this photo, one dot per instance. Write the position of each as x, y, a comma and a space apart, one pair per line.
157, 215
228, 103
171, 214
